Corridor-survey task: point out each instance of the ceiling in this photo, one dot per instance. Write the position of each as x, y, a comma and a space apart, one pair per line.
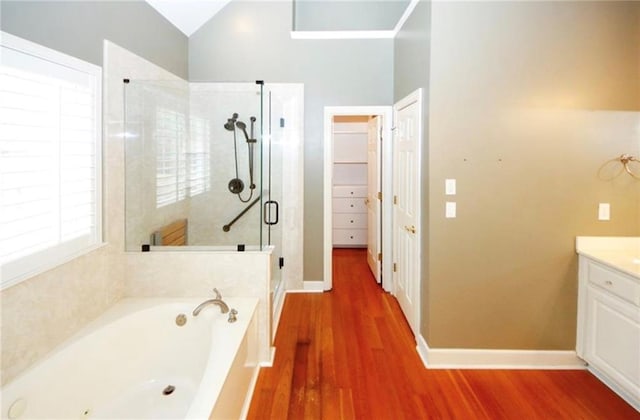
309, 15
188, 15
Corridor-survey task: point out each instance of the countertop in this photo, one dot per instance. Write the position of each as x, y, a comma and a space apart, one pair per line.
621, 252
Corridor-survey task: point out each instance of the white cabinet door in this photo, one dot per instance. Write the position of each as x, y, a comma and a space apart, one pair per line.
612, 338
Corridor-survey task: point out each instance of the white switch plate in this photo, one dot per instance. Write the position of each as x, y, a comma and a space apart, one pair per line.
604, 211
450, 210
450, 186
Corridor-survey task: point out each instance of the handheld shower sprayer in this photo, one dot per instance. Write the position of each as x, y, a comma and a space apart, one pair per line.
236, 185
242, 126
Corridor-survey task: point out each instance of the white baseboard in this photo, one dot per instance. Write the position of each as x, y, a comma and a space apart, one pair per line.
313, 286
497, 359
272, 357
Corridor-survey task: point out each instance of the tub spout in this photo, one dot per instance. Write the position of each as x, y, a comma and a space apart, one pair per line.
224, 308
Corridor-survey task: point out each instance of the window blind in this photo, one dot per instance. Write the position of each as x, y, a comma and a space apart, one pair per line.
171, 156
198, 156
49, 157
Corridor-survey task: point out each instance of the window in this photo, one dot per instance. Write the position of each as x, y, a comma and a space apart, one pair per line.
171, 156
50, 153
199, 156
182, 156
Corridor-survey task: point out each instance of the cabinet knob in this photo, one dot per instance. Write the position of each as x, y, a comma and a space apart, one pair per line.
608, 283
351, 237
351, 205
350, 221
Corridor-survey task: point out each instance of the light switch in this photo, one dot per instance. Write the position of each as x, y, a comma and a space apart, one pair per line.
450, 210
450, 186
604, 211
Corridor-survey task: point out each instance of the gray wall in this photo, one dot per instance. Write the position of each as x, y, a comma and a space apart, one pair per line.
78, 28
412, 69
248, 41
526, 120
352, 15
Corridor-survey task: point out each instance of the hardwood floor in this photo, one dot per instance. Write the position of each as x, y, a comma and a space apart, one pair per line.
349, 354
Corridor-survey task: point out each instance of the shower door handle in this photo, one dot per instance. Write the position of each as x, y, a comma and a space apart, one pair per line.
269, 212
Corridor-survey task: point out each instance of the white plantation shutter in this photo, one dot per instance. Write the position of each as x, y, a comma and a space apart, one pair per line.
171, 156
198, 156
49, 158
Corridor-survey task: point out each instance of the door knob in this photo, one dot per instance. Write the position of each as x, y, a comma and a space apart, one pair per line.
411, 229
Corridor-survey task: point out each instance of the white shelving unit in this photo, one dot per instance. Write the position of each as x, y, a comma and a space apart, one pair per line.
349, 183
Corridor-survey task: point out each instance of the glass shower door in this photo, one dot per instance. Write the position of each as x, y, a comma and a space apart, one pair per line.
273, 125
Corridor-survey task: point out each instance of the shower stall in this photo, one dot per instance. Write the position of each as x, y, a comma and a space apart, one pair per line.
204, 166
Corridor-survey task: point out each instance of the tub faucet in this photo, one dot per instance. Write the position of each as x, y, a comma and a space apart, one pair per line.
224, 308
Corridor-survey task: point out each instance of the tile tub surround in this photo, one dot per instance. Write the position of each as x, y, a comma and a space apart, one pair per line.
619, 252
38, 314
195, 274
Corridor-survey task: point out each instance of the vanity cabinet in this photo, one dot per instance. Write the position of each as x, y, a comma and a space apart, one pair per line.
608, 336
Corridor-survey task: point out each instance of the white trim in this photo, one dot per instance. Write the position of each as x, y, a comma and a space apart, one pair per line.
313, 286
389, 34
423, 350
304, 291
497, 358
272, 358
246, 405
407, 12
21, 53
45, 266
343, 34
387, 120
278, 304
414, 318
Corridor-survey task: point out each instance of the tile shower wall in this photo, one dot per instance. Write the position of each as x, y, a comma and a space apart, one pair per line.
183, 273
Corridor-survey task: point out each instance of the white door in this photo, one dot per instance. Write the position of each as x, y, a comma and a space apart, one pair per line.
373, 196
406, 209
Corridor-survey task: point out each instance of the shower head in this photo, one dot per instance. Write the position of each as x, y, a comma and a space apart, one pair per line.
242, 126
229, 125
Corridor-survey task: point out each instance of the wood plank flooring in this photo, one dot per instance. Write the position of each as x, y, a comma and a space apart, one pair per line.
349, 354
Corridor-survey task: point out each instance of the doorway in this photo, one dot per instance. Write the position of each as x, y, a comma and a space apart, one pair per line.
356, 177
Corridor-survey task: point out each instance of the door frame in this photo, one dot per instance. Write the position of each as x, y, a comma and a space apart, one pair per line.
386, 112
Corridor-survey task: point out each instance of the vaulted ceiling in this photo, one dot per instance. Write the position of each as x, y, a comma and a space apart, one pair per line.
308, 15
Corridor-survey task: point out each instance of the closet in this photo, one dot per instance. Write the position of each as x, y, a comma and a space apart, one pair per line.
349, 195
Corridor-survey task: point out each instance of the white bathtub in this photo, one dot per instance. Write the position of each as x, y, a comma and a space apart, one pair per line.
119, 366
